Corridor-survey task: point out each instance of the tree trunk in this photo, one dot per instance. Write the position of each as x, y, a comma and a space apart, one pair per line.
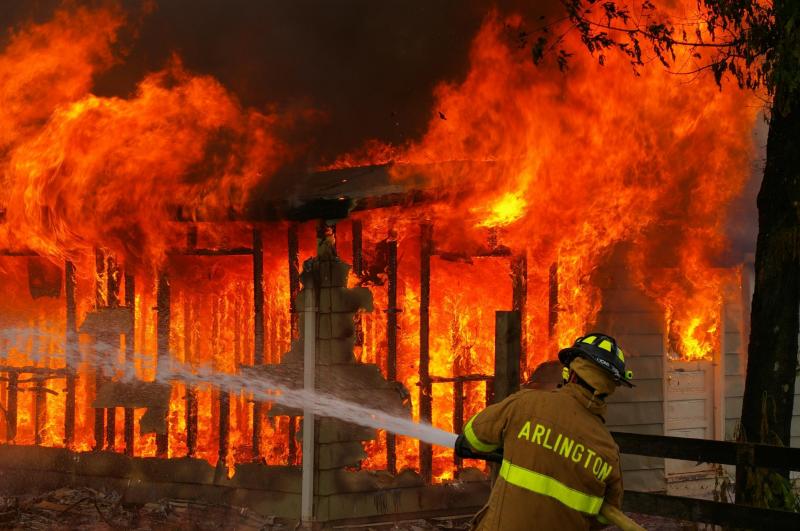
775, 317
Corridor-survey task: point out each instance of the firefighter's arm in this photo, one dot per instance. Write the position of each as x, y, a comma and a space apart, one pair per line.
613, 494
485, 431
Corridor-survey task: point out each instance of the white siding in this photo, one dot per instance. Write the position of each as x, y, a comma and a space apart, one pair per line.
637, 324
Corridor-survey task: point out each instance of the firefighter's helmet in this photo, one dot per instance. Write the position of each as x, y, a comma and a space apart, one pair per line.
603, 351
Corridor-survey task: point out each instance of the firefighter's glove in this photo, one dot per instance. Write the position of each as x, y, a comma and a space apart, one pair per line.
465, 451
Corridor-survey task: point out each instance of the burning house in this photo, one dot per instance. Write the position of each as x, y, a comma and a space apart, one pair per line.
156, 247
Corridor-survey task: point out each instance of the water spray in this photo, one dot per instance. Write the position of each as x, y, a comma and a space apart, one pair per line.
266, 389
262, 387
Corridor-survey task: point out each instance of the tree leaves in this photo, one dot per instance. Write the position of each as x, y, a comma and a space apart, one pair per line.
745, 40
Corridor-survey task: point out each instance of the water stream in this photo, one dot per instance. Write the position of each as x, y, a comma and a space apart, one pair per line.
262, 387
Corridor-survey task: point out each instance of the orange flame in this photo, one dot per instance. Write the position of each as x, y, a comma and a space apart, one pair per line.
572, 165
559, 169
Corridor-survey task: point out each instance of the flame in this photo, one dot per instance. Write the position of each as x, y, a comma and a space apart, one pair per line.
571, 166
559, 169
82, 172
51, 64
509, 208
75, 186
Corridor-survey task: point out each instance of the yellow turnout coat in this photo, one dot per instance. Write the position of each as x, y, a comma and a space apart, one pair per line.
559, 461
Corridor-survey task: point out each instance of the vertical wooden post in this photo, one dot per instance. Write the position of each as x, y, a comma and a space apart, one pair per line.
100, 300
294, 289
112, 282
224, 426
358, 270
71, 350
130, 351
11, 413
458, 413
519, 288
391, 337
425, 399
162, 346
191, 392
258, 329
112, 301
553, 301
38, 411
507, 352
507, 349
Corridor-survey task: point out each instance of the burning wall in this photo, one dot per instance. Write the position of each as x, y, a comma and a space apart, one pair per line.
531, 179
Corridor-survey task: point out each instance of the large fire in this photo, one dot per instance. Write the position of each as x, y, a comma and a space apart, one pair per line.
557, 169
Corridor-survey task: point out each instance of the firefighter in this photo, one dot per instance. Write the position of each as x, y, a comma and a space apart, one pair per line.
559, 462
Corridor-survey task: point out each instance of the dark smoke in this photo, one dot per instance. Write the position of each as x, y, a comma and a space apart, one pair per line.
368, 67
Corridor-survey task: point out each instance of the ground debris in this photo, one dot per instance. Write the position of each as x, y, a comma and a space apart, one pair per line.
196, 515
67, 508
85, 509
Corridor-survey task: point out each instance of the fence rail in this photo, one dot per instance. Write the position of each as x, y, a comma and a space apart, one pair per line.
705, 451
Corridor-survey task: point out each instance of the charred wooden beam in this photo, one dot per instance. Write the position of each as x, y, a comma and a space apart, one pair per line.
191, 392
130, 349
458, 414
71, 351
12, 405
112, 301
553, 301
258, 329
39, 411
294, 275
391, 336
294, 290
223, 399
112, 282
425, 398
162, 345
224, 425
232, 251
191, 421
292, 458
99, 302
463, 378
357, 229
519, 288
507, 351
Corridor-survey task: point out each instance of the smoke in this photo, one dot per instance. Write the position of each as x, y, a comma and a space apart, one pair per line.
741, 228
369, 67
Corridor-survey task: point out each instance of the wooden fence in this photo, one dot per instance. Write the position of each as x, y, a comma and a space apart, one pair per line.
705, 451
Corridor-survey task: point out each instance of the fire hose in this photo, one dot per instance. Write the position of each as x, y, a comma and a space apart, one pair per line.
609, 512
